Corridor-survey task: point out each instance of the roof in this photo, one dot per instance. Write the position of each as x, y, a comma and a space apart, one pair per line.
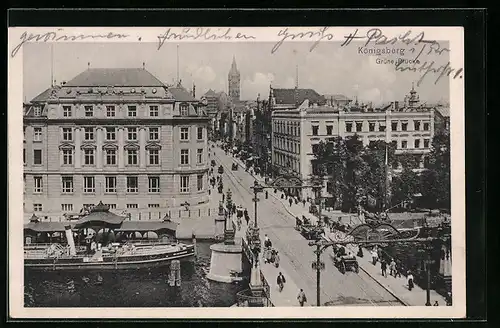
210, 93
40, 226
337, 97
181, 94
287, 96
44, 96
322, 109
100, 216
443, 110
95, 77
145, 226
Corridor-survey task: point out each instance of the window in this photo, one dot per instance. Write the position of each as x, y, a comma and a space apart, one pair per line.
371, 126
110, 111
200, 133
394, 125
184, 183
67, 184
38, 111
154, 134
426, 143
110, 185
132, 184
89, 111
88, 156
110, 156
132, 206
111, 206
37, 157
154, 184
132, 111
394, 144
67, 156
131, 134
88, 133
184, 109
404, 126
381, 126
199, 182
184, 133
38, 185
132, 157
154, 157
67, 207
348, 126
37, 134
67, 111
67, 134
359, 126
329, 130
315, 149
426, 126
153, 205
153, 111
417, 143
417, 125
37, 207
199, 156
88, 184
404, 144
315, 129
110, 133
184, 156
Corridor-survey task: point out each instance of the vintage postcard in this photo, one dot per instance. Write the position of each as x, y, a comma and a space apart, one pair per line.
232, 172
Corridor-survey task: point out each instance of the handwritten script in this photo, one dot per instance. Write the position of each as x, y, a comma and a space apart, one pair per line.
201, 34
316, 35
59, 36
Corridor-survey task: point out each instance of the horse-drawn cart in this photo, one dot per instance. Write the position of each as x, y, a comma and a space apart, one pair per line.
344, 262
234, 167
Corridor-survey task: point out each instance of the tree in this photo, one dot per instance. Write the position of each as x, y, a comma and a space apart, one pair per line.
436, 180
407, 184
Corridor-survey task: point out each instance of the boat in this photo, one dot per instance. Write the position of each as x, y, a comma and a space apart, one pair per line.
64, 254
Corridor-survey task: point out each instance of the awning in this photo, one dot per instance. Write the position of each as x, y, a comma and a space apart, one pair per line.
146, 226
45, 226
100, 216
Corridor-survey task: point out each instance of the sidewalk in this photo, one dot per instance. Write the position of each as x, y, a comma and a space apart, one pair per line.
398, 287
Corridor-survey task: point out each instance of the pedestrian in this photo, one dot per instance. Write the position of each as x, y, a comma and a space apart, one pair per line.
247, 218
282, 196
410, 281
290, 200
383, 267
360, 251
397, 270
280, 280
302, 297
234, 208
304, 203
223, 196
267, 194
276, 259
374, 256
392, 268
436, 303
273, 256
269, 255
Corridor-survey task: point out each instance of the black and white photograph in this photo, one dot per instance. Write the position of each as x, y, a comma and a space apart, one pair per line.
233, 168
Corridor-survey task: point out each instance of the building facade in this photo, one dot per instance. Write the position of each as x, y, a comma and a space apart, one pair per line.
296, 132
119, 136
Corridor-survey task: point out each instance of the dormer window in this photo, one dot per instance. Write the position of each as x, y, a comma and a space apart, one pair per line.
90, 90
154, 90
133, 90
37, 111
184, 109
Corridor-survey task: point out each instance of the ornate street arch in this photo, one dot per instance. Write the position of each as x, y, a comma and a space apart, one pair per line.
286, 182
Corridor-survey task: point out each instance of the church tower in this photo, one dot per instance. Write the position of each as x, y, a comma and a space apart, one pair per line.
234, 82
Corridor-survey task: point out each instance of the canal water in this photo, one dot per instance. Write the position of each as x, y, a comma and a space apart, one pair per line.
130, 288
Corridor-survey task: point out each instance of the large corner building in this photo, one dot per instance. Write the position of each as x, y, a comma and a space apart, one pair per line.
116, 135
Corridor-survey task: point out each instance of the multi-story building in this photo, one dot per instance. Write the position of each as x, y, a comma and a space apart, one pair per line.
234, 82
119, 136
295, 133
292, 98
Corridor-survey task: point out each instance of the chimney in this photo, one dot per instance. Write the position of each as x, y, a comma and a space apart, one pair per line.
396, 105
143, 65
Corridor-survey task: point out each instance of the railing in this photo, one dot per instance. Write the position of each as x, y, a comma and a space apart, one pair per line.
246, 299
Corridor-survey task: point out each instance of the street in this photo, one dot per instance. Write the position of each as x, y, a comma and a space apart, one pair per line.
296, 255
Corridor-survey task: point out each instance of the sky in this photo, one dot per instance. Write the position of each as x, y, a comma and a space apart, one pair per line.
329, 68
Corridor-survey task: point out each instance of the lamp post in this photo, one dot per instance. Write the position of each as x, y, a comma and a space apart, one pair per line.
428, 261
